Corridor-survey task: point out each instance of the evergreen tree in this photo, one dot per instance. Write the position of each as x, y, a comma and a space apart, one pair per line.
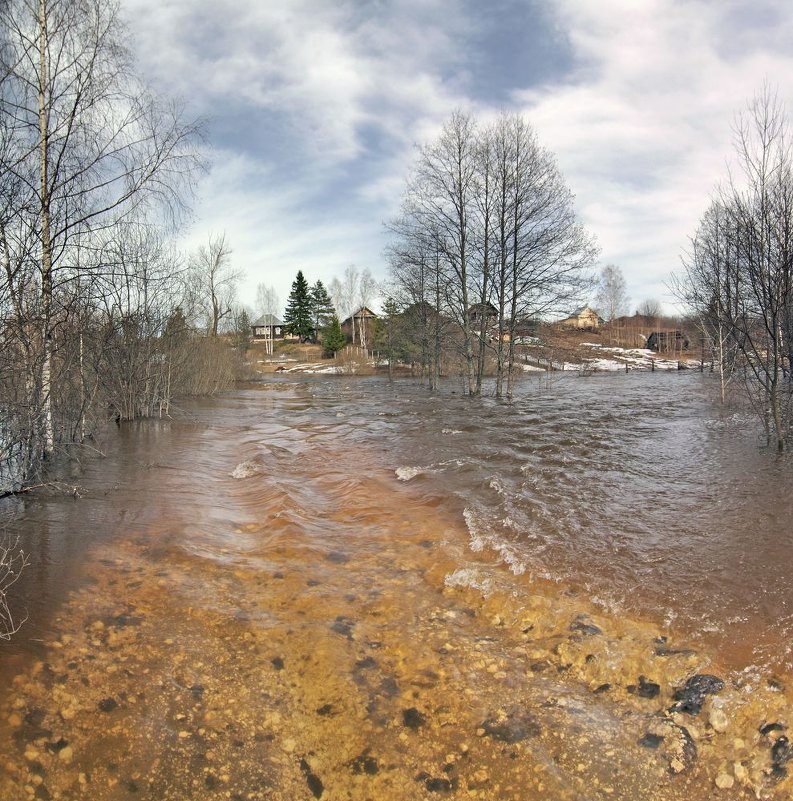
297, 317
322, 309
387, 333
242, 329
334, 339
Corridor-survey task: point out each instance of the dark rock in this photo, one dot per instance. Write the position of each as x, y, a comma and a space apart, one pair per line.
665, 650
132, 786
198, 691
277, 662
781, 751
211, 781
325, 710
57, 746
767, 728
43, 793
365, 764
344, 626
337, 557
602, 688
107, 704
366, 663
775, 683
651, 740
689, 746
691, 695
412, 718
389, 687
581, 626
312, 780
439, 785
518, 725
645, 688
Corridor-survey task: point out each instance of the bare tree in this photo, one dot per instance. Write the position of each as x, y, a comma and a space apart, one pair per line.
650, 307
216, 281
739, 275
612, 295
267, 305
90, 145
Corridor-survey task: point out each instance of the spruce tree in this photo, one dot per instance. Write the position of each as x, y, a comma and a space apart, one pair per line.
297, 317
322, 310
334, 339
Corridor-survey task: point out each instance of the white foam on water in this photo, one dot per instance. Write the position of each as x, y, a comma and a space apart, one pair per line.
245, 470
406, 473
450, 431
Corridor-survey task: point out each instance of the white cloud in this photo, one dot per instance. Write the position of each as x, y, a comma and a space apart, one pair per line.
333, 96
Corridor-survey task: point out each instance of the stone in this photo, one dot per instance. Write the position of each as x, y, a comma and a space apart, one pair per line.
724, 781
66, 755
412, 718
718, 720
691, 696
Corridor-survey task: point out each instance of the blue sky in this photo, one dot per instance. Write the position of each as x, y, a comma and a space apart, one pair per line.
315, 108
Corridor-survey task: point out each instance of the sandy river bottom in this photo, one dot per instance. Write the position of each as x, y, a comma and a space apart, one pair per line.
356, 669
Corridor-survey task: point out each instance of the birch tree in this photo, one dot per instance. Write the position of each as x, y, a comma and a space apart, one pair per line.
267, 305
91, 145
612, 294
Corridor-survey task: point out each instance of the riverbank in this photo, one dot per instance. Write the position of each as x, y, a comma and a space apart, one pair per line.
316, 628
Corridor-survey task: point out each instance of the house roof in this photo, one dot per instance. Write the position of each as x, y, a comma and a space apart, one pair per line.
362, 313
266, 319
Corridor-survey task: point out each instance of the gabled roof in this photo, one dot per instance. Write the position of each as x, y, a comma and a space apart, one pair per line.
362, 313
266, 319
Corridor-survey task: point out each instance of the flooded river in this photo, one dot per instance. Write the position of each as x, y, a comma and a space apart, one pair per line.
345, 589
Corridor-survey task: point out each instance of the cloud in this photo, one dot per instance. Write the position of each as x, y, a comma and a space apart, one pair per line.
315, 108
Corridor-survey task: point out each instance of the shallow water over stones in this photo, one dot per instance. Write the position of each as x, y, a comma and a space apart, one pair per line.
317, 628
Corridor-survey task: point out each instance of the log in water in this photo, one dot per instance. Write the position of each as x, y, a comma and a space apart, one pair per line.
346, 589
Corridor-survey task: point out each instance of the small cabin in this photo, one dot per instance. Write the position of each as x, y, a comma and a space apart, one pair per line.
267, 327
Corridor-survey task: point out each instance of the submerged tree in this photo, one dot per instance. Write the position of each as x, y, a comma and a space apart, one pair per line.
488, 214
738, 276
84, 145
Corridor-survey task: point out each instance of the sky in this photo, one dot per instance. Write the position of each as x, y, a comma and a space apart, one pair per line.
314, 110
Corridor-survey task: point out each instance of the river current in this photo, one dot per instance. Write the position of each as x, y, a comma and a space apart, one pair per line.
495, 534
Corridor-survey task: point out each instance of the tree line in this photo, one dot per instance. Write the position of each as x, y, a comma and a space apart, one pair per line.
486, 242
738, 274
98, 313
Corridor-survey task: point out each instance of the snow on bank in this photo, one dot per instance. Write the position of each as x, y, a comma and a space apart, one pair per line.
599, 358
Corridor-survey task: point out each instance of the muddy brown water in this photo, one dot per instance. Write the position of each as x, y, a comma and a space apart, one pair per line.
342, 589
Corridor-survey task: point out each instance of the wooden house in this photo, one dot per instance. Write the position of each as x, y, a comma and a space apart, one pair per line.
359, 327
267, 327
585, 319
